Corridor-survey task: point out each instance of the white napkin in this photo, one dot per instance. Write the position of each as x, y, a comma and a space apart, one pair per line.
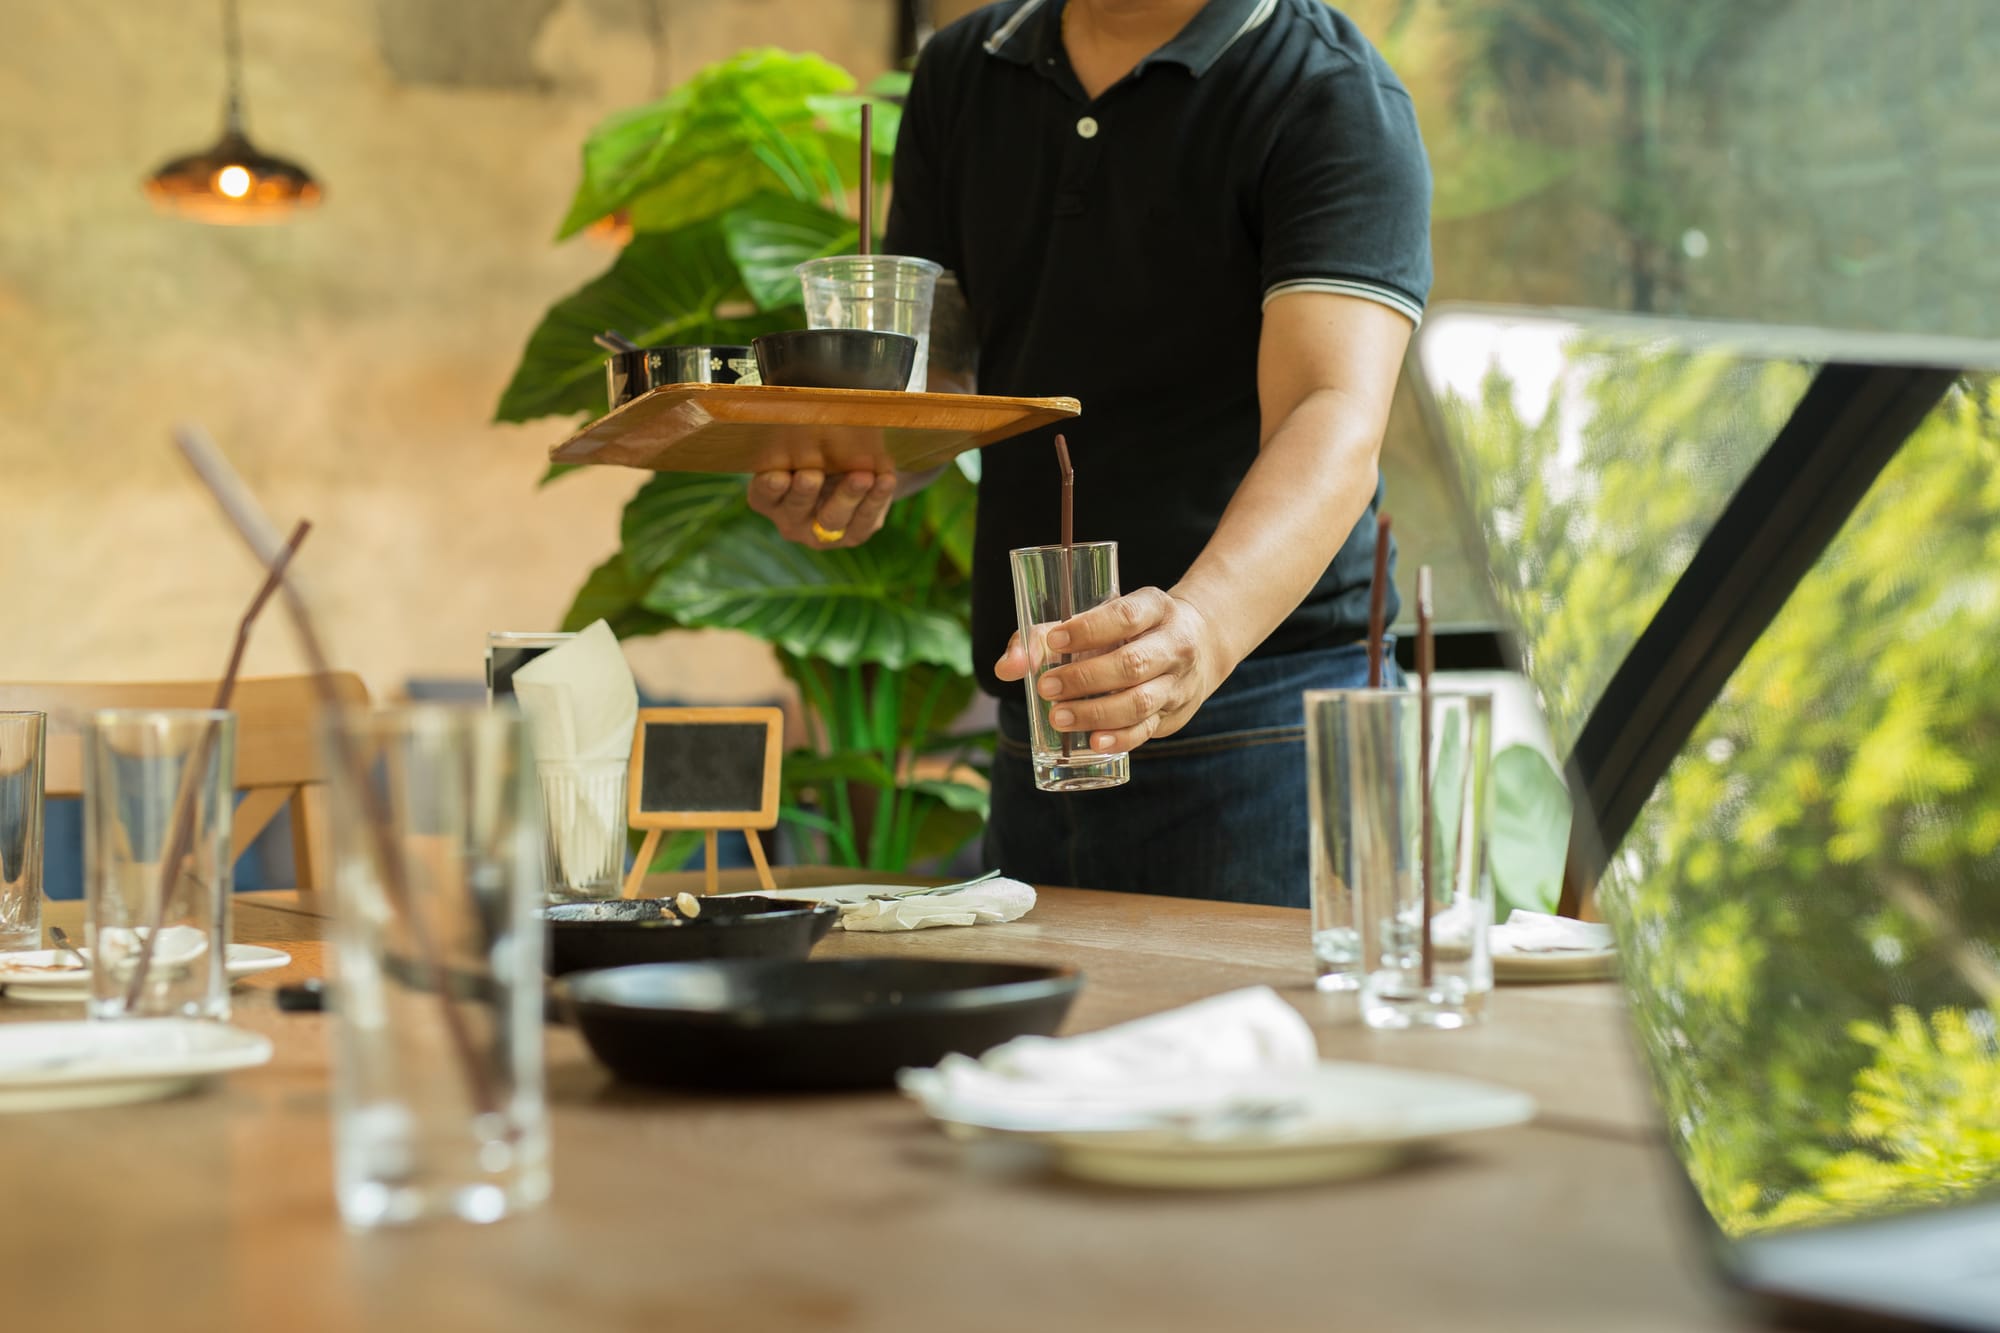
581, 705
1540, 932
1178, 1063
989, 903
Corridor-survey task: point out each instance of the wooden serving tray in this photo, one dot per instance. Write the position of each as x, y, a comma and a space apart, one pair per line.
765, 428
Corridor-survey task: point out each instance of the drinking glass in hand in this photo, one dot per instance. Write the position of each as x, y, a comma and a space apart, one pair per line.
158, 798
437, 1039
22, 738
1052, 584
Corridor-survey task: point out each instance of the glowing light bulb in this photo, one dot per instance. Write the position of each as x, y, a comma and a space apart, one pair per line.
233, 181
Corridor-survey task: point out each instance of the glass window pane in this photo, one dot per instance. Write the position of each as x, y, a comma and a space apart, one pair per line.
1596, 463
1833, 163
1811, 898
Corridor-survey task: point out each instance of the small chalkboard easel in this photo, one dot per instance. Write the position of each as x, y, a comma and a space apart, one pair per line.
708, 769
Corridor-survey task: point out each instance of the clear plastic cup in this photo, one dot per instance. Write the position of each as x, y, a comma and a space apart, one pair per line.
886, 293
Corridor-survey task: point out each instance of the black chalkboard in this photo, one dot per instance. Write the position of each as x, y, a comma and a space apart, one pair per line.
698, 766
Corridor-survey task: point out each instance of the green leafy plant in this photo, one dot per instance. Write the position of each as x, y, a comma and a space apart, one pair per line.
728, 183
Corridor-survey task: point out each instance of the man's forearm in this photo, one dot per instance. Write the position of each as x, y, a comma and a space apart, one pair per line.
1311, 483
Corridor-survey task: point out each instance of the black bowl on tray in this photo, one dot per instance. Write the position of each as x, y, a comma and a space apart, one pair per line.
623, 931
836, 359
773, 1025
629, 374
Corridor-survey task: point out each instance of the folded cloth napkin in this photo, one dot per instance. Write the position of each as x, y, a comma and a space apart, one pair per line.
987, 903
1540, 932
1183, 1062
581, 705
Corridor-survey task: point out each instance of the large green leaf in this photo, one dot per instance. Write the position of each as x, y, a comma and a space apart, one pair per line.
611, 594
672, 515
942, 830
892, 85
662, 289
841, 117
949, 505
842, 606
733, 130
1530, 831
770, 236
956, 795
804, 768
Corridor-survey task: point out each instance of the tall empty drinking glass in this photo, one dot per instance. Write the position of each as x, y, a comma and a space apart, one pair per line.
158, 797
438, 1089
1423, 929
22, 739
1051, 584
886, 293
1338, 861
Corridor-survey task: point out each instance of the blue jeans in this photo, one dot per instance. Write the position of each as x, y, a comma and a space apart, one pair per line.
1217, 810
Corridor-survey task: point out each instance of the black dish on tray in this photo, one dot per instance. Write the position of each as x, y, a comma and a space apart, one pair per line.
836, 359
629, 374
624, 931
849, 1023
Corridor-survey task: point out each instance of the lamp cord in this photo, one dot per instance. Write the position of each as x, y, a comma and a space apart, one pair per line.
232, 63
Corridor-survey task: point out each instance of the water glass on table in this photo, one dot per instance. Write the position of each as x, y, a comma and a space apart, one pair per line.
1052, 584
158, 800
886, 293
438, 1090
1371, 824
23, 737
507, 651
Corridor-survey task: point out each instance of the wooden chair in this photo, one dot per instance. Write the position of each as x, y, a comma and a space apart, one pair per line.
278, 762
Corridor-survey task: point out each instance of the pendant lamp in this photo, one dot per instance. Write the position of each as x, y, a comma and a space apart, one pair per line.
232, 181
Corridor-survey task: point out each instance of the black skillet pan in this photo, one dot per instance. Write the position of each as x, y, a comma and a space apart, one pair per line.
771, 1025
623, 931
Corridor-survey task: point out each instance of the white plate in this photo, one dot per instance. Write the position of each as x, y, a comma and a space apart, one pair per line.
72, 985
1330, 1122
52, 1066
1555, 965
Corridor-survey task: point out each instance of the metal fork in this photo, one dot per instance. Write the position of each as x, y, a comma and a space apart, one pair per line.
63, 944
934, 891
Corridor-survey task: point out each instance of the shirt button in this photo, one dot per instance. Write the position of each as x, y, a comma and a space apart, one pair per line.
1086, 128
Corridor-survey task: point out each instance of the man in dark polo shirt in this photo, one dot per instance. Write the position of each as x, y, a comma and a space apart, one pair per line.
1210, 223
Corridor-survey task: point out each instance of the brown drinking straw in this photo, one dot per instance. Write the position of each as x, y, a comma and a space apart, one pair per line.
1068, 543
182, 840
1426, 649
244, 513
1378, 601
867, 178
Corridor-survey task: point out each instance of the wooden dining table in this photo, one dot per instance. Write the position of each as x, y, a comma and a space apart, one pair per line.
215, 1211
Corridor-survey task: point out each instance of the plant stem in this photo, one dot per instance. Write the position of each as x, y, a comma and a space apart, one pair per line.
821, 704
906, 793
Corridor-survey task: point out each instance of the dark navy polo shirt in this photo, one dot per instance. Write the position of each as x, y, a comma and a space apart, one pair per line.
1121, 251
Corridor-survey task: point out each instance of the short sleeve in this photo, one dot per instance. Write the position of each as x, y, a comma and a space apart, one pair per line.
919, 208
1346, 196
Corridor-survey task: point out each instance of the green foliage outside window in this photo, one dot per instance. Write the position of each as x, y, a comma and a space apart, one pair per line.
1811, 899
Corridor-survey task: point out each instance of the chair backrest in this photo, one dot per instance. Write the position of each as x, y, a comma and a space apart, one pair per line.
278, 761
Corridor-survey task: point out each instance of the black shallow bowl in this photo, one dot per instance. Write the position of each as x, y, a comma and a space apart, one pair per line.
849, 1023
624, 931
836, 359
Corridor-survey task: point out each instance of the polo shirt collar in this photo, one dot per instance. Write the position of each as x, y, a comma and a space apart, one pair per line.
1035, 30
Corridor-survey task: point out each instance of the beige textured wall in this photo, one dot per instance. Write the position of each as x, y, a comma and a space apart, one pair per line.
349, 360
